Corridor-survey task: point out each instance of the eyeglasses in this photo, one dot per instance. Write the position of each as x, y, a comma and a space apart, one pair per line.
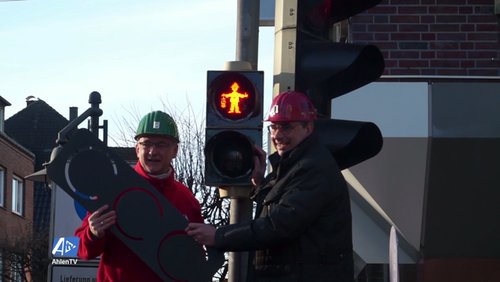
146, 145
283, 127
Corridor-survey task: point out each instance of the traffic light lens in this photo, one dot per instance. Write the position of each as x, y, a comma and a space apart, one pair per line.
231, 153
233, 96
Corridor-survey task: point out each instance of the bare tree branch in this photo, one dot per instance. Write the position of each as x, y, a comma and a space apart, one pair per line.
25, 256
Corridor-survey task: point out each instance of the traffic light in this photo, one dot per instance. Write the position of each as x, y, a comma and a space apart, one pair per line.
350, 142
325, 69
233, 126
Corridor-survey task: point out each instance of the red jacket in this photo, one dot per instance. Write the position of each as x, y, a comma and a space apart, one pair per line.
117, 262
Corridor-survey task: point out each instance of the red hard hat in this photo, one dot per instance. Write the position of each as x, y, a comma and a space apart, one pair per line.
291, 106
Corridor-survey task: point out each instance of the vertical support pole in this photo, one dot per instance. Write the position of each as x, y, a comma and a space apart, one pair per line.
393, 256
240, 211
247, 32
285, 46
247, 43
240, 207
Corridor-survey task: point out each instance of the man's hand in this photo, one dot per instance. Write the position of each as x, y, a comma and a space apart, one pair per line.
202, 233
99, 221
259, 168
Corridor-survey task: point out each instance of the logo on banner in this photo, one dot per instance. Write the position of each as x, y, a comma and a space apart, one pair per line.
65, 246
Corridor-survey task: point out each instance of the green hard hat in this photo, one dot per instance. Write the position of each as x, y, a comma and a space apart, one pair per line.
157, 123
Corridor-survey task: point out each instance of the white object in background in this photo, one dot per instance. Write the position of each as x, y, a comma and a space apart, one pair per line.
393, 256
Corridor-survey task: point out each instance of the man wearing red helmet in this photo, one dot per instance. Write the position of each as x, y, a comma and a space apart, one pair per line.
302, 230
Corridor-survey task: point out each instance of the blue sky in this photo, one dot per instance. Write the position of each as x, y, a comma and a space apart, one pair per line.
135, 53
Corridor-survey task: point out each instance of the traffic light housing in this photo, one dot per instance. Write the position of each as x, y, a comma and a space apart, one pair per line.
350, 142
233, 126
325, 70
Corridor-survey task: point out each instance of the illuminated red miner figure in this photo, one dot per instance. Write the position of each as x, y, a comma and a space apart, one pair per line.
234, 99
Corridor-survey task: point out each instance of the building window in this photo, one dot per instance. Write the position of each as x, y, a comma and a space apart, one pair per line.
2, 187
17, 195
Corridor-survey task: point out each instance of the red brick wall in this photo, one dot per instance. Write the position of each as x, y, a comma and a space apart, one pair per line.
433, 37
15, 162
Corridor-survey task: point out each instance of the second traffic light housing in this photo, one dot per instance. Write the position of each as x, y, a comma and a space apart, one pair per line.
233, 126
325, 70
350, 142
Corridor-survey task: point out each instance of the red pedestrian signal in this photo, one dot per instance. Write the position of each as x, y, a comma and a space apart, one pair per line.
233, 96
234, 126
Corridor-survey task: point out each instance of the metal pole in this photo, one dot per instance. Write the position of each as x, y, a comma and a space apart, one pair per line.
285, 45
241, 210
247, 32
247, 43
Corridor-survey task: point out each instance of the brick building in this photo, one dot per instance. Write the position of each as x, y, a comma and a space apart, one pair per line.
433, 37
36, 127
16, 197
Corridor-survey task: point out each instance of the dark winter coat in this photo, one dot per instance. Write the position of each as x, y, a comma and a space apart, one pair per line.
302, 230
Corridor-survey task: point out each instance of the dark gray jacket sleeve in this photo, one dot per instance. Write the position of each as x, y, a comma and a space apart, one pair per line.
299, 203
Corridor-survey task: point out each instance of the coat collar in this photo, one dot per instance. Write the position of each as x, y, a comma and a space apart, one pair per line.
281, 165
157, 182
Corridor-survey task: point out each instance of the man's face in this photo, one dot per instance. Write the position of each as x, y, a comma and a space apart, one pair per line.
155, 153
287, 135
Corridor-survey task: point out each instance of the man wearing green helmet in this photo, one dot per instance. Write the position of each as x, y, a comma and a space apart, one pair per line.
157, 139
157, 143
